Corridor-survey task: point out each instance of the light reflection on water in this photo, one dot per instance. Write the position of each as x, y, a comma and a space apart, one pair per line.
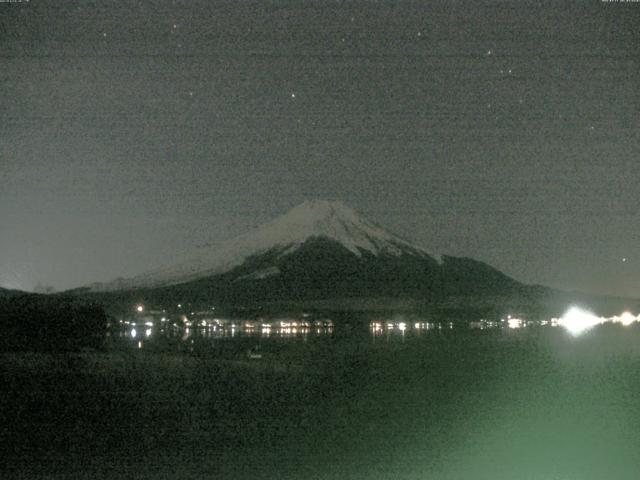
439, 400
235, 330
575, 321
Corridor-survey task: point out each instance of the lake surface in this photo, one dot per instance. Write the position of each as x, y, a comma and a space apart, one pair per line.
343, 402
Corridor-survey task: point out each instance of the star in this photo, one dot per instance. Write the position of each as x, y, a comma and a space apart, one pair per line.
489, 52
624, 259
293, 95
104, 34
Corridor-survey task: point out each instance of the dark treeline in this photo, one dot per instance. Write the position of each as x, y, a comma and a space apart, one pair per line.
50, 323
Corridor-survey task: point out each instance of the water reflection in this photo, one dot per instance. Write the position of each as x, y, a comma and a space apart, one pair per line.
183, 329
575, 321
220, 328
402, 327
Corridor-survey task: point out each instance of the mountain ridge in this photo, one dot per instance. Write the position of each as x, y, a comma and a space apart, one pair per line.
324, 255
311, 219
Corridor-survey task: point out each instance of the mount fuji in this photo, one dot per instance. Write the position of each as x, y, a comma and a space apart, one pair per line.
318, 250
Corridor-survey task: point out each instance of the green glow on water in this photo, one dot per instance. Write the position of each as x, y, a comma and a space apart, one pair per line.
530, 404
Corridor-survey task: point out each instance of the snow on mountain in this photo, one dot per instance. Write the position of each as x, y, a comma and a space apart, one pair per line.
318, 218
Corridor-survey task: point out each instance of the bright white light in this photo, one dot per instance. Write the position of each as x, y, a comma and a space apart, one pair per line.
514, 322
140, 308
148, 332
627, 319
578, 321
133, 333
402, 326
149, 324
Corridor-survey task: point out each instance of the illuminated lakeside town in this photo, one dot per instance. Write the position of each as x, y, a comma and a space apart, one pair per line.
143, 324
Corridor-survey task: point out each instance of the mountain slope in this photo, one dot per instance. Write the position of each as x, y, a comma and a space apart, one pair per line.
281, 237
324, 255
322, 268
5, 292
318, 251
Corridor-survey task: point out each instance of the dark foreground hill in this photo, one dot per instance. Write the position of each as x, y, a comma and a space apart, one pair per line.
50, 323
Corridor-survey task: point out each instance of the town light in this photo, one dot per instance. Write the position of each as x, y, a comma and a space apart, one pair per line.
627, 319
514, 322
578, 321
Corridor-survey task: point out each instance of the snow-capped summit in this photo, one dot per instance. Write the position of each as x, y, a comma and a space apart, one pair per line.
330, 220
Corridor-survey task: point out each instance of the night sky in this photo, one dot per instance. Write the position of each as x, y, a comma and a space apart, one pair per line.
133, 132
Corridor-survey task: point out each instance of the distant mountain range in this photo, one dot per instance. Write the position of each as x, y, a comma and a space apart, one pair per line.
323, 253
